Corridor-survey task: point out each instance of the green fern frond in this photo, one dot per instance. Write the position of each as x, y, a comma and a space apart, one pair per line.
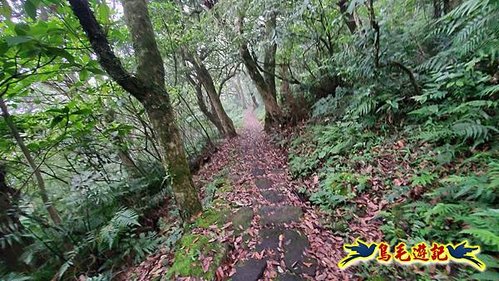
494, 175
484, 236
125, 218
122, 220
490, 91
445, 209
470, 130
434, 134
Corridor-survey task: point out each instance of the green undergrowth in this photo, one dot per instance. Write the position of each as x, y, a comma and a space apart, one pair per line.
427, 151
433, 191
193, 247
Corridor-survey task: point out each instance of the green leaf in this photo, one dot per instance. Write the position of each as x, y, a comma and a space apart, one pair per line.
62, 53
57, 119
84, 75
487, 275
30, 9
16, 40
21, 29
85, 111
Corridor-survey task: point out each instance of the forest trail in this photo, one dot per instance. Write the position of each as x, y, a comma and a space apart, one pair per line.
277, 235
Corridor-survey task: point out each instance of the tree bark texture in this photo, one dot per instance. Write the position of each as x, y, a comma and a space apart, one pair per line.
204, 108
264, 85
204, 76
148, 87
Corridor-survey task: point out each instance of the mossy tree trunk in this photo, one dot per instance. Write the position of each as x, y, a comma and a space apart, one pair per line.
147, 85
158, 108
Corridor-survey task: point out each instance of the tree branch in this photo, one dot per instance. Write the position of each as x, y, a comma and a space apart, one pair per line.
100, 45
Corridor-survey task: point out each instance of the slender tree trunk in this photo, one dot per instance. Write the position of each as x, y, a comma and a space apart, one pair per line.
264, 84
273, 113
54, 215
213, 118
209, 142
147, 86
240, 93
204, 76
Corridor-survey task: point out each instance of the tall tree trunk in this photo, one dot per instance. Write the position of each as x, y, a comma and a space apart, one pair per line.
204, 76
148, 87
273, 114
240, 93
54, 215
269, 55
158, 108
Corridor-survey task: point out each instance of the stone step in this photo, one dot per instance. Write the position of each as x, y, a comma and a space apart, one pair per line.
298, 263
279, 214
263, 183
273, 196
257, 172
288, 277
270, 239
250, 270
294, 245
241, 219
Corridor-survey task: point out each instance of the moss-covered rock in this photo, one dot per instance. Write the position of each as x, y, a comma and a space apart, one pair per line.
187, 261
211, 216
192, 248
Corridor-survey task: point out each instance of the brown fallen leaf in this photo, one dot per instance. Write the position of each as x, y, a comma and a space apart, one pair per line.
205, 264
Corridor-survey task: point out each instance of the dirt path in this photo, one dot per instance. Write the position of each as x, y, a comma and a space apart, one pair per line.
277, 236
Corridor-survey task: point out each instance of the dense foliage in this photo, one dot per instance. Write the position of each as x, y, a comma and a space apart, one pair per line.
401, 98
426, 151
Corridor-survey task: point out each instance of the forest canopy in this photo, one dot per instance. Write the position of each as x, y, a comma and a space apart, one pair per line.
129, 130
